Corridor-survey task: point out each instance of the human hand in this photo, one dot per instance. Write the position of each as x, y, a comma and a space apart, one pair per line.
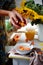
14, 16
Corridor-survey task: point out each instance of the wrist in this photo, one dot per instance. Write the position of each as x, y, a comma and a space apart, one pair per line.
8, 13
13, 10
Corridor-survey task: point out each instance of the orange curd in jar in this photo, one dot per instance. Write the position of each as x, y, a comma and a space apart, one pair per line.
30, 34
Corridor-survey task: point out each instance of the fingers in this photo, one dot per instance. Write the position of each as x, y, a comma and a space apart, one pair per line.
15, 19
13, 23
19, 16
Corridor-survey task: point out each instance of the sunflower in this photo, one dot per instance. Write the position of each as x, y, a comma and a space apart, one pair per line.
28, 13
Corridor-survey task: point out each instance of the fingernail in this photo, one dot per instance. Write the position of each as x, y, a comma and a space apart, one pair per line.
16, 21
